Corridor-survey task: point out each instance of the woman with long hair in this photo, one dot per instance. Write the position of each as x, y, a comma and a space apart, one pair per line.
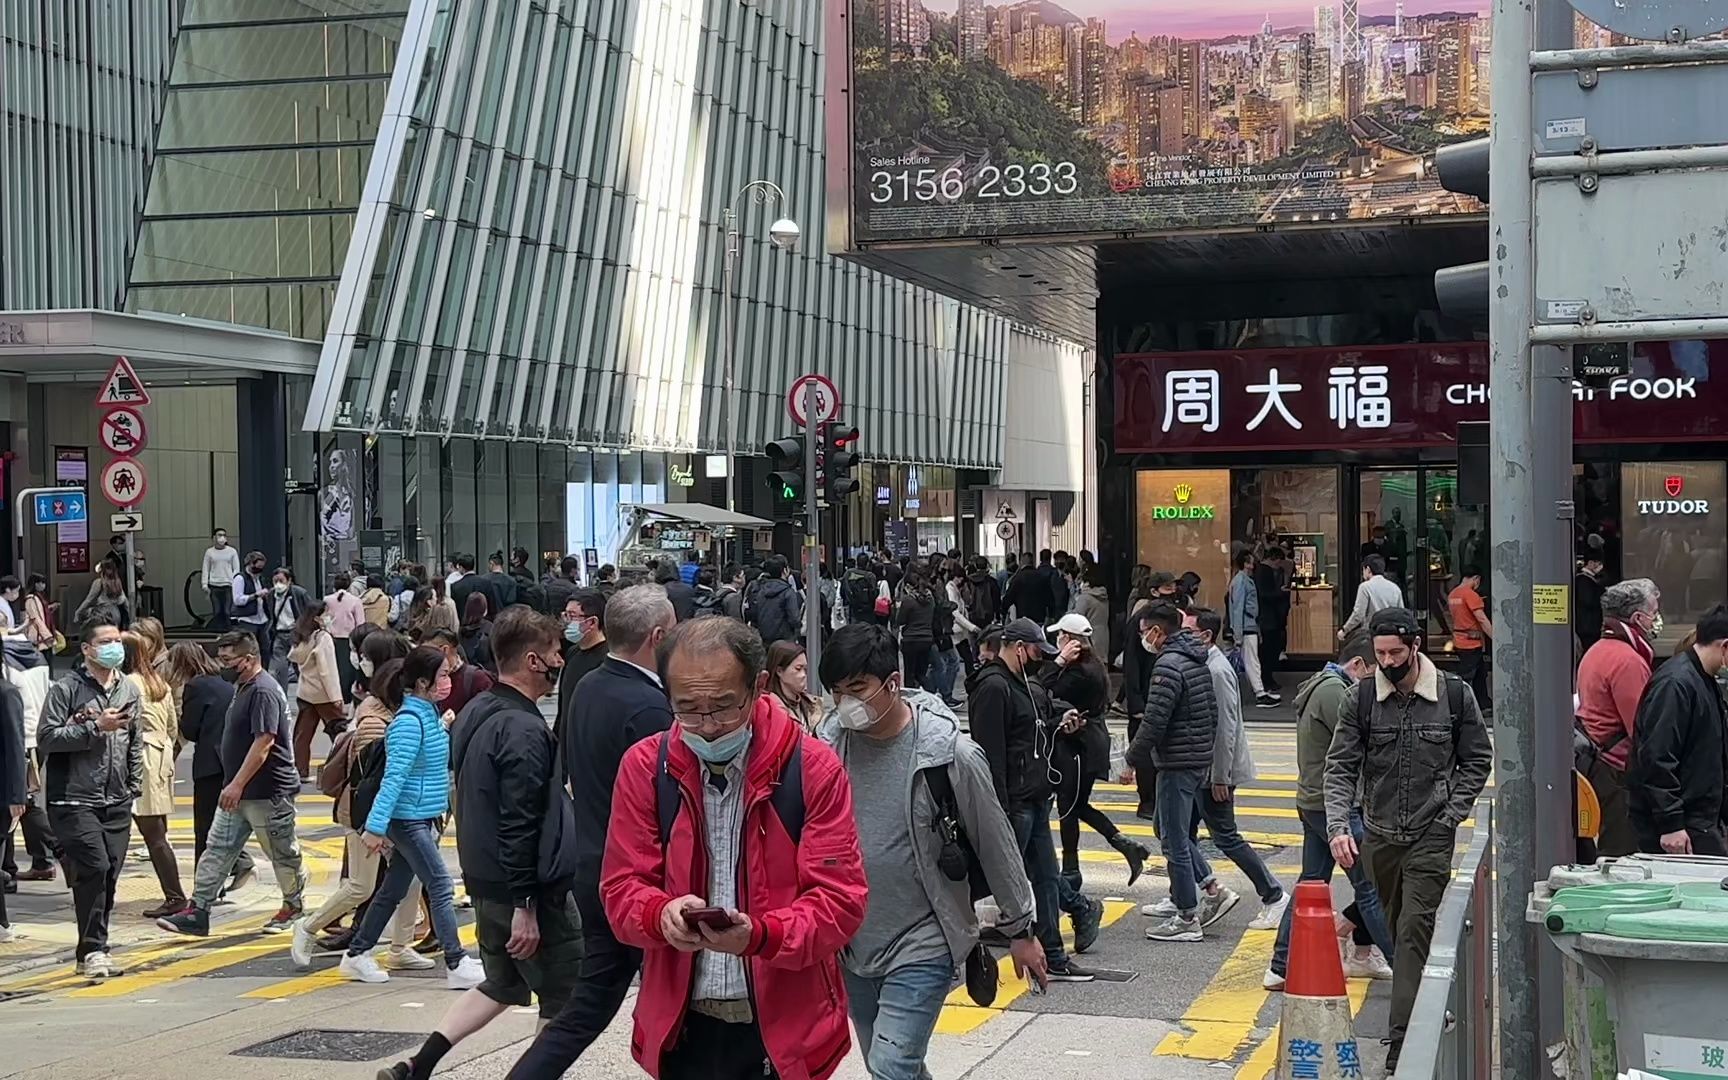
149, 626
411, 797
1082, 751
915, 618
38, 613
318, 692
159, 726
789, 680
381, 660
476, 632
204, 699
107, 597
431, 610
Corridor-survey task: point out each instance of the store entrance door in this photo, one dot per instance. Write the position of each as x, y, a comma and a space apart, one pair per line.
1425, 536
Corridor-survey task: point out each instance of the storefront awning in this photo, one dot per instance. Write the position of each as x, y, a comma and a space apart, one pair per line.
701, 514
80, 345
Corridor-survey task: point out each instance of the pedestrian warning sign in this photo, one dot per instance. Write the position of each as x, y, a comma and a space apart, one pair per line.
122, 386
1550, 605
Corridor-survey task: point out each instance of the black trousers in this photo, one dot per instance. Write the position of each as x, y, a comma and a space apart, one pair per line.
1145, 781
221, 606
608, 966
1473, 669
38, 835
95, 839
1074, 803
710, 1049
206, 790
916, 657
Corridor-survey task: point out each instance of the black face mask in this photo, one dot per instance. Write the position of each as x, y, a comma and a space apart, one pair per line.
230, 675
1397, 673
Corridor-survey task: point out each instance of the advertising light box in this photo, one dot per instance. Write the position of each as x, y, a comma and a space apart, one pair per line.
972, 120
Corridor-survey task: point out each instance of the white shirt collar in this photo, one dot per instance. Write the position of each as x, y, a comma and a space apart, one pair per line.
653, 676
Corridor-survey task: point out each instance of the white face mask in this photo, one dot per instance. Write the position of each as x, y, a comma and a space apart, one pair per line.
853, 714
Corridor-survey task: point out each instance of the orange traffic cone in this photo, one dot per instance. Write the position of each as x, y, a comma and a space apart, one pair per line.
1316, 1040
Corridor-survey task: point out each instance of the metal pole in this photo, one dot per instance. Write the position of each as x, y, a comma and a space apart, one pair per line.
730, 410
812, 529
1553, 842
1512, 526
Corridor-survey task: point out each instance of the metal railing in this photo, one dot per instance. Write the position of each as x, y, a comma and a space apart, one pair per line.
1451, 1032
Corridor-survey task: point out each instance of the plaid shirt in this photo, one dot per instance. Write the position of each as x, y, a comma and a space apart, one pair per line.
720, 976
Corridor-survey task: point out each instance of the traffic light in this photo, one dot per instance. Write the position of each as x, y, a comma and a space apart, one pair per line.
786, 475
839, 458
1462, 291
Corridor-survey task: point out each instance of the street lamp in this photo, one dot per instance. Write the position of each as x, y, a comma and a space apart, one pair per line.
784, 235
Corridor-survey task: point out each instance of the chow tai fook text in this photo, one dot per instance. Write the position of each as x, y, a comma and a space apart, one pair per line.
1396, 395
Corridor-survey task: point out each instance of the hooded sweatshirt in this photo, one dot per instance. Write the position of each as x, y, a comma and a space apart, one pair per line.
1317, 704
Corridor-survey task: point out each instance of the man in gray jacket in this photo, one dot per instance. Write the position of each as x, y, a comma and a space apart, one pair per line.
928, 821
93, 768
1376, 594
1412, 740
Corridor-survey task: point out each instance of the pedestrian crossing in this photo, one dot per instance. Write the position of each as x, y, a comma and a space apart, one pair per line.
1222, 1023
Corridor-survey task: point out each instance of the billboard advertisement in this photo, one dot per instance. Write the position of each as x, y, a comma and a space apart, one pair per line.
1393, 396
1038, 118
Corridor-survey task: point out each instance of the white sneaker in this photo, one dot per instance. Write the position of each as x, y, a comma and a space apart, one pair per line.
7, 935
1270, 914
407, 960
363, 968
1214, 906
1176, 928
98, 965
1369, 963
466, 975
300, 948
1271, 980
1163, 909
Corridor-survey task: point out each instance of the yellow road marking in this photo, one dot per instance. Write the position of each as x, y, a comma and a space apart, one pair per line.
960, 1016
201, 964
1222, 1018
1264, 1059
319, 980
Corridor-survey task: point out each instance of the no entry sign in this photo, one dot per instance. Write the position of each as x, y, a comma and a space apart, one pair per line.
123, 482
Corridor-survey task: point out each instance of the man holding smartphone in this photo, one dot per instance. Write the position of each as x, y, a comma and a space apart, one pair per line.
920, 924
738, 809
93, 762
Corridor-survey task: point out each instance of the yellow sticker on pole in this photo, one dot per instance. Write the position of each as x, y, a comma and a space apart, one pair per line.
1550, 605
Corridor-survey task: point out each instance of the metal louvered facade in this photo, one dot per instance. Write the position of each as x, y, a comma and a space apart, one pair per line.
538, 253
81, 88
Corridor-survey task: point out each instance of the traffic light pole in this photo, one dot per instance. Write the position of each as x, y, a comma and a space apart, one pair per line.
812, 531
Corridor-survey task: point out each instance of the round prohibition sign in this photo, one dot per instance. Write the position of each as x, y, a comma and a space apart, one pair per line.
123, 431
827, 400
124, 482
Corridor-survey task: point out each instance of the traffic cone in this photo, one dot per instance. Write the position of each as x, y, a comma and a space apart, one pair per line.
1316, 1040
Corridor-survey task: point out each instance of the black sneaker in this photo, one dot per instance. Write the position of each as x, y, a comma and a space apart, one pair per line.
399, 1071
193, 921
284, 919
1087, 924
1069, 971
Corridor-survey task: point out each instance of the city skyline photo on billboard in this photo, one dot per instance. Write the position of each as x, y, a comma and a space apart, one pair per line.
973, 120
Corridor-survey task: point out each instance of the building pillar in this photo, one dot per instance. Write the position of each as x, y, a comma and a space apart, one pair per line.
262, 438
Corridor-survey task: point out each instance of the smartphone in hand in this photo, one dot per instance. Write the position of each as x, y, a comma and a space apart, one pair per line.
712, 917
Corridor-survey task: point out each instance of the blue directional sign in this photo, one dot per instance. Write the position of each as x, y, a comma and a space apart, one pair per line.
61, 508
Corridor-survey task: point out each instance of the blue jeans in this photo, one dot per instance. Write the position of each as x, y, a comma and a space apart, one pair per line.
1220, 818
1317, 864
1053, 893
1178, 802
944, 669
895, 1015
416, 855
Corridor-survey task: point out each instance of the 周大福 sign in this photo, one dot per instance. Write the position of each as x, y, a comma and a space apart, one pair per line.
1393, 396
971, 120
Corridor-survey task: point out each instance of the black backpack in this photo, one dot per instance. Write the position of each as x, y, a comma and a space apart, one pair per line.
365, 776
958, 861
859, 589
712, 602
980, 602
1454, 701
787, 797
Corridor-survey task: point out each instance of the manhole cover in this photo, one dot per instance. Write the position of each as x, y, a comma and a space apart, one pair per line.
323, 1044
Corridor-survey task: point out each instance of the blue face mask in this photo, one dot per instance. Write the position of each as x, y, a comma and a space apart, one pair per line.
717, 751
110, 654
573, 631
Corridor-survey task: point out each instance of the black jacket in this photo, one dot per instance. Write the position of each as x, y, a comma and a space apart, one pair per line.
1013, 727
203, 712
1058, 590
1675, 778
616, 706
296, 598
82, 764
1082, 685
915, 615
1029, 594
578, 662
13, 768
555, 591
773, 608
683, 599
1181, 714
504, 759
1588, 621
476, 643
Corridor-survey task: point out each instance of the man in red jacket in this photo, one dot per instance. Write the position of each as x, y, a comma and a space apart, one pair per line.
732, 861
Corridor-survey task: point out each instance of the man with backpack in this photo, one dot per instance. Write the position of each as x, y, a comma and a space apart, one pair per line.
620, 702
733, 863
1411, 739
516, 846
772, 604
859, 592
920, 924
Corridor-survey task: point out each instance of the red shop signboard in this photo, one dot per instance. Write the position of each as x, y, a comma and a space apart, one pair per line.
1392, 396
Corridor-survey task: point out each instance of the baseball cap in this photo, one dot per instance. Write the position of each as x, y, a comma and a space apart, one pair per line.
1073, 623
1027, 632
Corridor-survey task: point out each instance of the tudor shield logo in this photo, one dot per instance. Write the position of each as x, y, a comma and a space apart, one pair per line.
1674, 485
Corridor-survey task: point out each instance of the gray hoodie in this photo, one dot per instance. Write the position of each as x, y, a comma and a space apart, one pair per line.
941, 743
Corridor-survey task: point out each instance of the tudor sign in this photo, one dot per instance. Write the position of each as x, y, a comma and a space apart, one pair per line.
1674, 486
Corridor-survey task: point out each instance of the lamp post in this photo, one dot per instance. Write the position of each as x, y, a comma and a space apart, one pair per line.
784, 235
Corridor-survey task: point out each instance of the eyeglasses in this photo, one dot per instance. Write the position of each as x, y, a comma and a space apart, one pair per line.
712, 718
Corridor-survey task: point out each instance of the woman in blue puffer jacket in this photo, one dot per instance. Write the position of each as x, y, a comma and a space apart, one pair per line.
413, 795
